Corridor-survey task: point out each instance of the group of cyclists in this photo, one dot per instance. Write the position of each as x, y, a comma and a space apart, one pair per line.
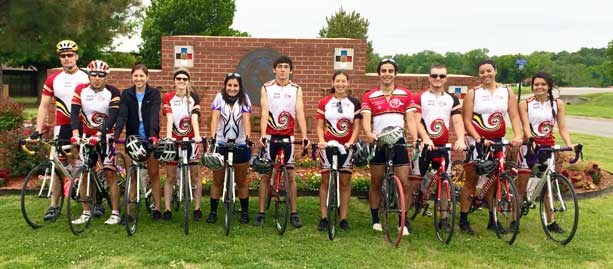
89, 109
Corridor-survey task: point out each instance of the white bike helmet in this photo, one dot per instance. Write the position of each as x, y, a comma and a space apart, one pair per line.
212, 161
390, 135
98, 66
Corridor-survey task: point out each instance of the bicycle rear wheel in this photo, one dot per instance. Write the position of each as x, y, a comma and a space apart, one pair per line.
80, 198
282, 202
106, 189
393, 210
186, 198
565, 210
506, 209
228, 200
332, 204
132, 202
445, 204
34, 199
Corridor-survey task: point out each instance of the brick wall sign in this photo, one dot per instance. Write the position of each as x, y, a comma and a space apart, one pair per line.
256, 68
343, 59
184, 56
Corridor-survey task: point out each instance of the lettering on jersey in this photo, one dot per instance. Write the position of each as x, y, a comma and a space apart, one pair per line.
395, 103
90, 97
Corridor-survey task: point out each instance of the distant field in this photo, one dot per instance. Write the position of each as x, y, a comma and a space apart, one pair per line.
599, 105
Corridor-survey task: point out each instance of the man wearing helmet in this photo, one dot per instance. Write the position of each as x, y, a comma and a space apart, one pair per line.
60, 85
93, 113
388, 106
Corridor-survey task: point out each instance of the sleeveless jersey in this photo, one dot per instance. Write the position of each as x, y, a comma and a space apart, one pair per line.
281, 107
489, 111
230, 125
436, 111
181, 113
61, 85
387, 113
541, 121
95, 106
339, 116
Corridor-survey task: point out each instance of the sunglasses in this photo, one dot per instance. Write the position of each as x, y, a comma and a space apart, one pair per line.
236, 75
181, 79
340, 107
97, 74
441, 76
387, 60
69, 55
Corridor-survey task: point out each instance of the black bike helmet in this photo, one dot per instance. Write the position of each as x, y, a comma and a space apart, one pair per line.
361, 153
166, 150
136, 147
484, 167
261, 164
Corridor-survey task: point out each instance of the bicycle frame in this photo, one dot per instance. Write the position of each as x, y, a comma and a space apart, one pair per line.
183, 166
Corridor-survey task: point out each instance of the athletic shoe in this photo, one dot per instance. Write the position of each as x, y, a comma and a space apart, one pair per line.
377, 227
259, 219
554, 227
493, 227
113, 219
212, 217
295, 220
157, 215
167, 215
52, 214
82, 219
405, 231
323, 224
244, 218
443, 224
197, 215
344, 225
98, 210
465, 227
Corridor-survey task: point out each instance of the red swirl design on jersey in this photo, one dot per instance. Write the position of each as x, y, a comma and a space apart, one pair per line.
495, 121
282, 121
184, 127
343, 126
438, 128
98, 119
545, 128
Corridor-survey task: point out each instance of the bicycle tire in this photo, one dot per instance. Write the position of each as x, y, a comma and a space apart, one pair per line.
228, 199
332, 204
121, 169
76, 201
132, 202
567, 219
417, 205
506, 210
186, 199
105, 192
282, 202
393, 210
33, 206
444, 234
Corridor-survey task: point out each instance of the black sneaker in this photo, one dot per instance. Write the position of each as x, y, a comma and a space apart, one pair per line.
344, 225
98, 210
197, 215
212, 218
52, 214
157, 215
295, 220
167, 215
323, 224
259, 219
493, 227
244, 218
554, 227
465, 228
443, 224
408, 225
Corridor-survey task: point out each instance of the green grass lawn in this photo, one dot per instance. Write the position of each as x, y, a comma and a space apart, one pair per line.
163, 244
598, 105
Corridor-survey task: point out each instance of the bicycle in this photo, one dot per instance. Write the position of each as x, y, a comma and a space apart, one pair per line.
86, 186
185, 194
392, 202
279, 184
333, 197
554, 192
491, 168
41, 181
135, 192
437, 183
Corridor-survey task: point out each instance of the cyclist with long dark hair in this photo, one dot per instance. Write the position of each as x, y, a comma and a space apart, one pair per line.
231, 120
338, 118
539, 114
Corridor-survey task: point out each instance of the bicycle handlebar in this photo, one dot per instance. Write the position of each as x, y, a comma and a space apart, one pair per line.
47, 142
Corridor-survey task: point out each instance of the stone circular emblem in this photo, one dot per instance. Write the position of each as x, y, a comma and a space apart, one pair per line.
255, 69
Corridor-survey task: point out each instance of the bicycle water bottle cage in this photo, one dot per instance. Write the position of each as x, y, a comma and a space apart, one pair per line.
484, 167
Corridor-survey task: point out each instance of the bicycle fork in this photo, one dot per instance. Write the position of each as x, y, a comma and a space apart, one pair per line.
336, 179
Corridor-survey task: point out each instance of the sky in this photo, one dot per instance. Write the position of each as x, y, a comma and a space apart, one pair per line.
410, 26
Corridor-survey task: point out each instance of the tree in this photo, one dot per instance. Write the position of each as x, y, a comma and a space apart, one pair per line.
188, 17
351, 25
31, 29
609, 62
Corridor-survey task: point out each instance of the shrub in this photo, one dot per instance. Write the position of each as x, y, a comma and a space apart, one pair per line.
10, 115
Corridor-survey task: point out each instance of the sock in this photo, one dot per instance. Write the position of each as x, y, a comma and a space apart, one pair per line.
463, 216
244, 205
374, 213
491, 220
115, 212
214, 203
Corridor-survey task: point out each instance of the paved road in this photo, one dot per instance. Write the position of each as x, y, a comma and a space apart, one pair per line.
591, 126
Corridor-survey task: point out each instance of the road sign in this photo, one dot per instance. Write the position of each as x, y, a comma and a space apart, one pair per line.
520, 63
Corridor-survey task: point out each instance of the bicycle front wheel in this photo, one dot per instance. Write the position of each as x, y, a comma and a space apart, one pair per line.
506, 209
132, 201
187, 186
560, 214
36, 194
393, 210
332, 204
228, 200
282, 202
445, 210
81, 199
